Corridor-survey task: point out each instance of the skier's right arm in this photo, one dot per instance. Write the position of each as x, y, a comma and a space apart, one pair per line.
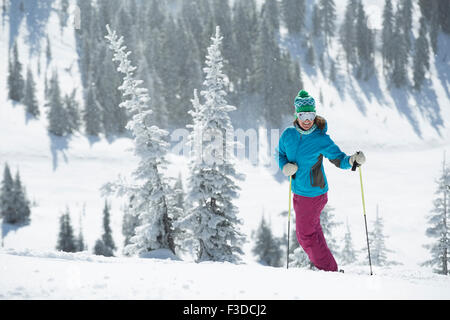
288, 168
282, 158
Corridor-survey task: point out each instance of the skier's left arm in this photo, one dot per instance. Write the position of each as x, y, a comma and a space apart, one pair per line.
332, 152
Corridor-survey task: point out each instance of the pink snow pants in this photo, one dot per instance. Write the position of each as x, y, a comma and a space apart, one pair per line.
309, 232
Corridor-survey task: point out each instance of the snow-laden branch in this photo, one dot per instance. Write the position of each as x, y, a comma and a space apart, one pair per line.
150, 200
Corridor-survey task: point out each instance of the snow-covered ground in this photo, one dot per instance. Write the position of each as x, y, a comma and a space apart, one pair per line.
51, 275
68, 172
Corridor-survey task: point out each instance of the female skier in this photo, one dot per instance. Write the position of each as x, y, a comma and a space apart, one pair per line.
301, 150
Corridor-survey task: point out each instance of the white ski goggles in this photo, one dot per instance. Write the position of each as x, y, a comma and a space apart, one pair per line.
303, 116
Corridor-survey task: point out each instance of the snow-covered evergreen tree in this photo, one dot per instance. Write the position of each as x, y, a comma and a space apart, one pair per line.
438, 225
14, 204
16, 82
80, 243
444, 13
188, 74
286, 81
299, 259
105, 246
364, 45
270, 79
180, 195
125, 23
348, 32
48, 51
425, 8
66, 238
179, 208
91, 114
434, 25
267, 247
110, 118
165, 59
328, 224
406, 16
328, 16
294, 13
378, 249
6, 192
298, 75
316, 21
129, 222
166, 32
30, 95
63, 13
311, 55
190, 12
222, 17
150, 201
3, 9
107, 235
20, 202
322, 62
73, 113
399, 75
271, 12
156, 14
348, 253
212, 219
387, 35
421, 59
85, 39
332, 75
243, 23
92, 56
57, 115
46, 86
148, 72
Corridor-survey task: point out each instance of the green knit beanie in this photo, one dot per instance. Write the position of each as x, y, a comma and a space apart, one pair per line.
304, 102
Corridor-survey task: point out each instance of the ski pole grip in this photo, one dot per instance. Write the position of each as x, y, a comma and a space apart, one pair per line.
355, 164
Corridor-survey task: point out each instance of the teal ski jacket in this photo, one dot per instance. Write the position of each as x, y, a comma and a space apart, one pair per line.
307, 151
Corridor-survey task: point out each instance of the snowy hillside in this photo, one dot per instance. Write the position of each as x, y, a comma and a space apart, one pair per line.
375, 110
404, 150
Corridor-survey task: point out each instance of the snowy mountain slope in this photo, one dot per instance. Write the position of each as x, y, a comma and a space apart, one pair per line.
58, 172
44, 275
385, 116
401, 182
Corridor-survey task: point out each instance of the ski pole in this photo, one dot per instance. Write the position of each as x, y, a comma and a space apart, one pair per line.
289, 223
364, 210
